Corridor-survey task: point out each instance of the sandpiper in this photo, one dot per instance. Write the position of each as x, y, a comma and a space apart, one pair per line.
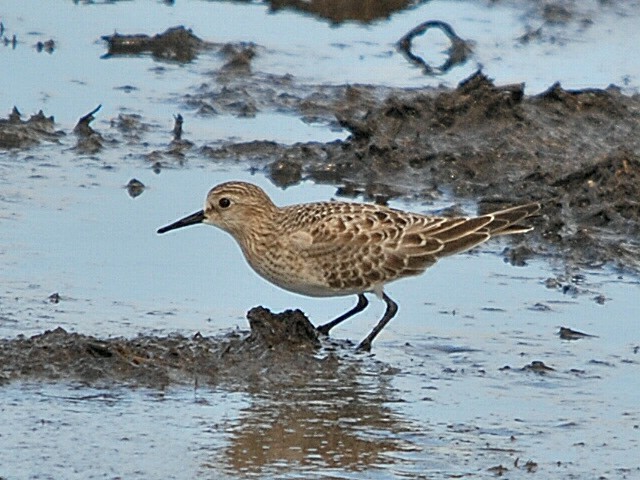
328, 249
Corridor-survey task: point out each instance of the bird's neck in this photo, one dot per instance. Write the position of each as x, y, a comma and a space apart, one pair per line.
253, 236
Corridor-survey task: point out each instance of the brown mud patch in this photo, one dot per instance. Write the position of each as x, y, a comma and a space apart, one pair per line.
278, 346
344, 11
177, 44
19, 134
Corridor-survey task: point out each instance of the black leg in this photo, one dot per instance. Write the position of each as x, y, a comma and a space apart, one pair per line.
392, 308
361, 305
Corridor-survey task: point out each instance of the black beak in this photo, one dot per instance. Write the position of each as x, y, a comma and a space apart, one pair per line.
192, 219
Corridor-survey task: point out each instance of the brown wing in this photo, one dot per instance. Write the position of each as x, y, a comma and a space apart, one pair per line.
365, 246
361, 247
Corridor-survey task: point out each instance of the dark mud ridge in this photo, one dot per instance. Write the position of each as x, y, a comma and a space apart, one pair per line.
279, 347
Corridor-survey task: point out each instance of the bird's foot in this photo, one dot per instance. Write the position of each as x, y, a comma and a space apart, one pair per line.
364, 347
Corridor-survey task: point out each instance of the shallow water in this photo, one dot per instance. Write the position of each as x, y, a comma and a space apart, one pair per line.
443, 393
591, 49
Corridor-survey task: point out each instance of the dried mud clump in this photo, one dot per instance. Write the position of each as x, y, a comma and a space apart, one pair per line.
18, 133
177, 44
291, 327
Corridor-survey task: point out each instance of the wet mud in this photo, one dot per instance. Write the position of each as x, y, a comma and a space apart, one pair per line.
177, 44
16, 133
277, 346
344, 11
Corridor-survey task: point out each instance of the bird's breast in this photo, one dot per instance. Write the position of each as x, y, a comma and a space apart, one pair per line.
290, 264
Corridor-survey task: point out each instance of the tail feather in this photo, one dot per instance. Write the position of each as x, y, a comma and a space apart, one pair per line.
474, 231
505, 222
460, 228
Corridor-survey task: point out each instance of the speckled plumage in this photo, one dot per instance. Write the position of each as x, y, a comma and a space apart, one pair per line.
336, 248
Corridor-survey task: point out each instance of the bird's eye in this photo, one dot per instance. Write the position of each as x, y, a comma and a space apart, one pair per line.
224, 202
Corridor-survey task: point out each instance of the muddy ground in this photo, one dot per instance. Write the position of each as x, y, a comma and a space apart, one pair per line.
278, 346
578, 152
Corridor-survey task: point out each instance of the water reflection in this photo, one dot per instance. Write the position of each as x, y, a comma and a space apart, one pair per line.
338, 11
339, 418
